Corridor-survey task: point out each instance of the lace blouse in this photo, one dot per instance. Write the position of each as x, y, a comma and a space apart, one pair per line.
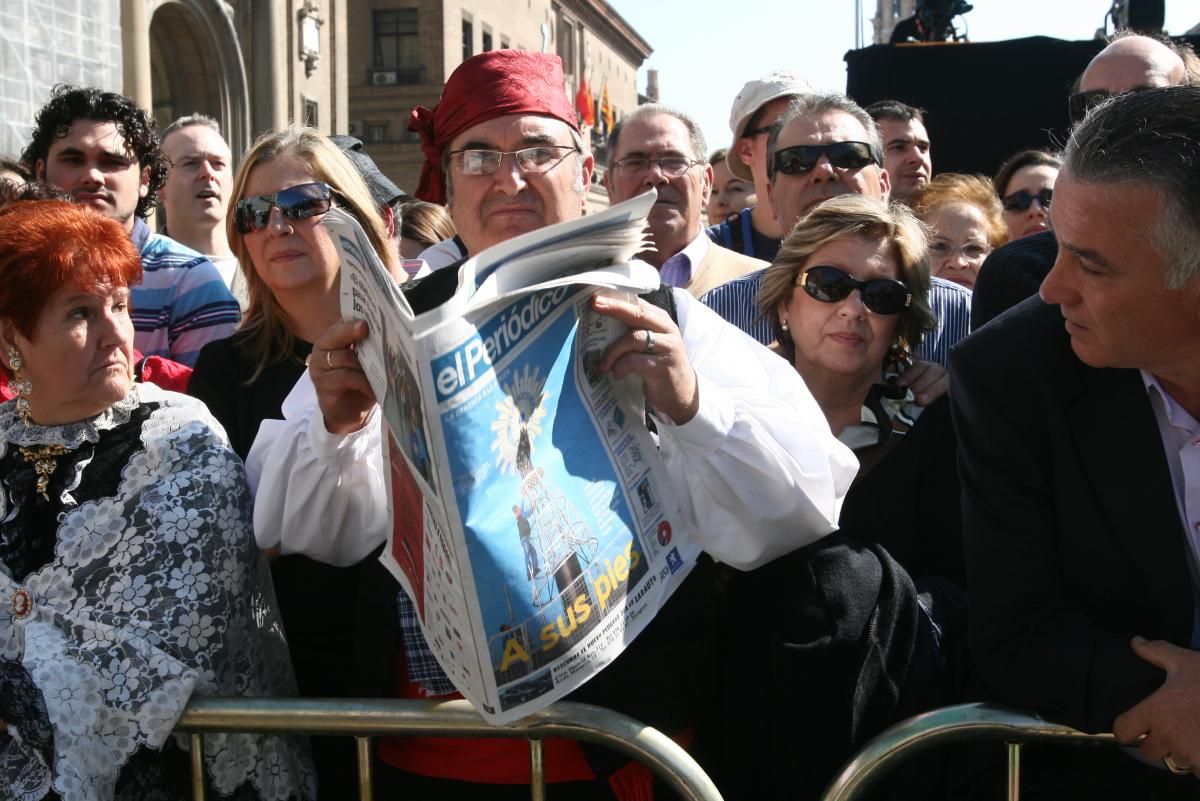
133, 584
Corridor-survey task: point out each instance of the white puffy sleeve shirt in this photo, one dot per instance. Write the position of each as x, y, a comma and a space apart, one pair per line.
757, 471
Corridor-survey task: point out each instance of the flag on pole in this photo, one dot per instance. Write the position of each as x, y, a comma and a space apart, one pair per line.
606, 110
584, 104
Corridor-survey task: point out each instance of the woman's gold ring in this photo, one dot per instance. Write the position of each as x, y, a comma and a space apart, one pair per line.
329, 359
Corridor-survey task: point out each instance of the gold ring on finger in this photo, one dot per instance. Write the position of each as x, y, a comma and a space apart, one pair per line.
1174, 766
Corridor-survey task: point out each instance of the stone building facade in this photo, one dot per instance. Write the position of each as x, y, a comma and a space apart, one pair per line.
887, 14
254, 65
404, 49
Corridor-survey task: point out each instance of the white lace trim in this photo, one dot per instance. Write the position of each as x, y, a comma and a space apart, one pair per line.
13, 429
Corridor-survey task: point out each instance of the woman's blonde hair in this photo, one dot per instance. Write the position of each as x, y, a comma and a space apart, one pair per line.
269, 338
974, 190
427, 223
854, 216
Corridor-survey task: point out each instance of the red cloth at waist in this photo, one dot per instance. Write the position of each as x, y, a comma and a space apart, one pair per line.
475, 759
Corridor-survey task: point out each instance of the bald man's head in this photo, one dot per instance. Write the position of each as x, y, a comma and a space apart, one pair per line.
1133, 62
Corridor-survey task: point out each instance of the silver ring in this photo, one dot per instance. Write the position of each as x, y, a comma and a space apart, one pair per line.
329, 359
649, 341
1175, 767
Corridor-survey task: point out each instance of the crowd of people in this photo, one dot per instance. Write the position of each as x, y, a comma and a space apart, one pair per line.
936, 434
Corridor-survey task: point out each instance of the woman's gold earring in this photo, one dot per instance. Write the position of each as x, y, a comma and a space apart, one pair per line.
20, 385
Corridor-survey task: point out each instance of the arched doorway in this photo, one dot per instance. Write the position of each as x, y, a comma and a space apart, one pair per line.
196, 66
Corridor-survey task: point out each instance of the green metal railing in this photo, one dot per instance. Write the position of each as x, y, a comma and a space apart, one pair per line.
954, 724
364, 719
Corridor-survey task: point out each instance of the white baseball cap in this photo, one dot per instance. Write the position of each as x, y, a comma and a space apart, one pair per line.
754, 95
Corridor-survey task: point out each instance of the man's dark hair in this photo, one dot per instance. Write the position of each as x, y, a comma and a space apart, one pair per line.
70, 103
1151, 138
895, 110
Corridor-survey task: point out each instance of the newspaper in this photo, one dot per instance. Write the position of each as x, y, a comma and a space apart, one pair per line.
534, 528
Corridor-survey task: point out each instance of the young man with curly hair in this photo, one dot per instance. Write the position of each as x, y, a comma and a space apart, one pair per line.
103, 150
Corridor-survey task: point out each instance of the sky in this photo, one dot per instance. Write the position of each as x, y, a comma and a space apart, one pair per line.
705, 50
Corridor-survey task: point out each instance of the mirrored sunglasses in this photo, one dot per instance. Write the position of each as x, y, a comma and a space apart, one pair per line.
294, 203
1021, 200
833, 285
799, 159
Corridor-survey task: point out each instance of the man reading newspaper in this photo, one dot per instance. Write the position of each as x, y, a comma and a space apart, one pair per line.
749, 454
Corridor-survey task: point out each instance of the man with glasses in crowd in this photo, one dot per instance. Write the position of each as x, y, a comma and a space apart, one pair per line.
826, 145
755, 469
1131, 62
659, 148
102, 149
755, 231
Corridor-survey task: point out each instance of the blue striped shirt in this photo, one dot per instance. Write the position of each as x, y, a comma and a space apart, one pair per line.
737, 302
182, 303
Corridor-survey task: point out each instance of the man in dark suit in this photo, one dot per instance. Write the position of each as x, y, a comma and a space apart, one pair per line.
1081, 489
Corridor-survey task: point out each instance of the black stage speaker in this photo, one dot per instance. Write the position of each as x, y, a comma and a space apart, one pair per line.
984, 101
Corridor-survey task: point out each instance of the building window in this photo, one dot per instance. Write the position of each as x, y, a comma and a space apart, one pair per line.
375, 132
468, 39
487, 40
566, 45
504, 43
312, 117
396, 43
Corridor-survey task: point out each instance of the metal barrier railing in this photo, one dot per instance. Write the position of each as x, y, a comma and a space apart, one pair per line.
953, 724
364, 719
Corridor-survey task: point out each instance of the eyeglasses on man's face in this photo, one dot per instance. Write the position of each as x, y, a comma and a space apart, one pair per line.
536, 159
670, 166
1080, 103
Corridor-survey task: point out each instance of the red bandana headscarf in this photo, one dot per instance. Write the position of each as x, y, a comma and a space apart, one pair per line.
486, 86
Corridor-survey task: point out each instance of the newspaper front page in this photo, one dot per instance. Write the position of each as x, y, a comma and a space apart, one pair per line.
533, 525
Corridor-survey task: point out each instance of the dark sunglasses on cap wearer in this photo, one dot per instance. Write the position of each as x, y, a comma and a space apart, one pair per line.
833, 285
295, 203
799, 159
1080, 103
1022, 199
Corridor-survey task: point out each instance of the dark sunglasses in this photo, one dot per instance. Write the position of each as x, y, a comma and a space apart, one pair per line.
294, 203
1080, 103
832, 285
799, 159
1021, 200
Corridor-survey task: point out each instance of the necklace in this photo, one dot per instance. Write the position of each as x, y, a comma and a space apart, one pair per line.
43, 463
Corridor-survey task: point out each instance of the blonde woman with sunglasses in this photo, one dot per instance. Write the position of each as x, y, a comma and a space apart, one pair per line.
847, 300
285, 185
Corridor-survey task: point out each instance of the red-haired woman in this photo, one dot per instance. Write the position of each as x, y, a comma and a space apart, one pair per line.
127, 563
